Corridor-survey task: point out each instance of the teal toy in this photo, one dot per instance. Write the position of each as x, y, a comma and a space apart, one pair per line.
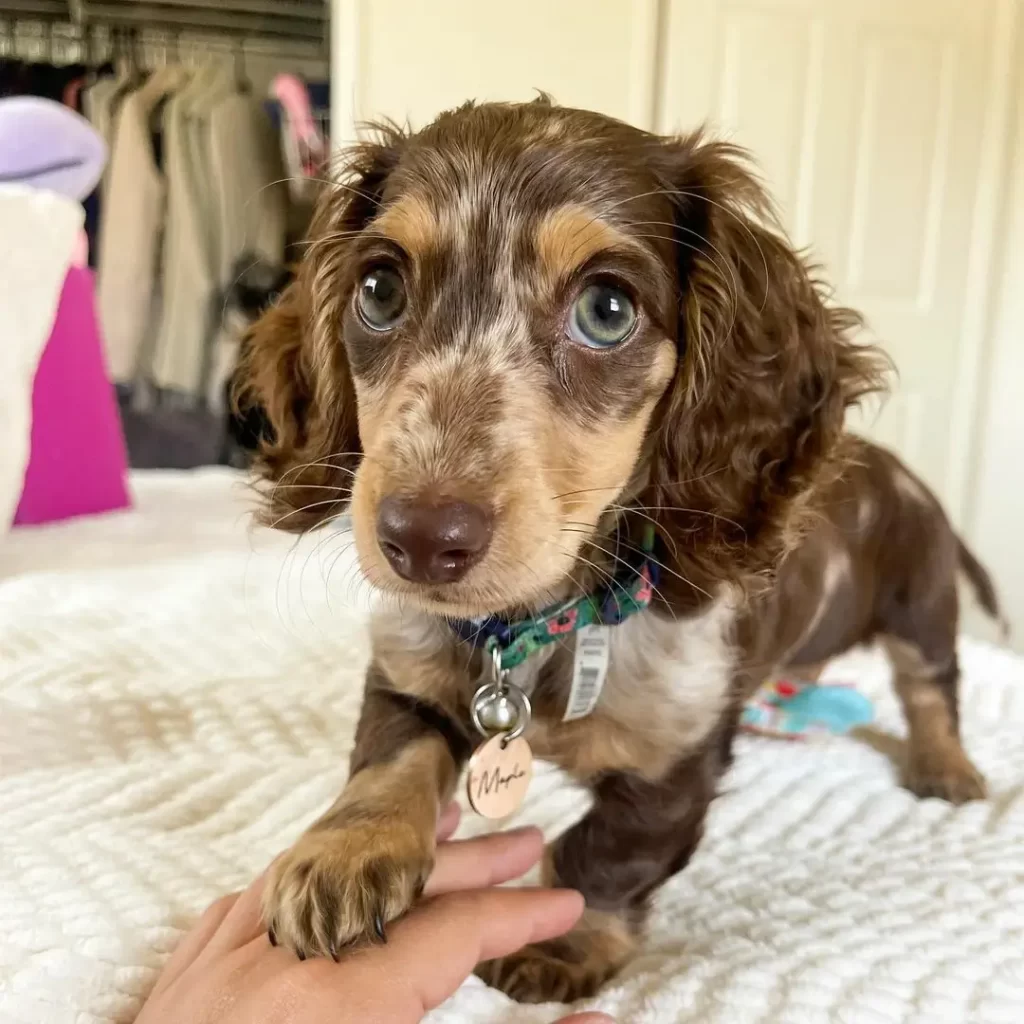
792, 709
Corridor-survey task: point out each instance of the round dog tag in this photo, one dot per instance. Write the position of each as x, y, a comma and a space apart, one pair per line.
499, 775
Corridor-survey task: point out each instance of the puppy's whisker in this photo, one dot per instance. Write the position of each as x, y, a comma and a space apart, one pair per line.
323, 461
617, 559
304, 508
316, 487
763, 209
341, 236
688, 511
721, 266
642, 509
615, 584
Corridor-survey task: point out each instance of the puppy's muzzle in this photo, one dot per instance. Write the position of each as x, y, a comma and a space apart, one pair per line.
432, 542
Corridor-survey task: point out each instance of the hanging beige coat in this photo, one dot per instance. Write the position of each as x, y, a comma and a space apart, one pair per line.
225, 148
133, 204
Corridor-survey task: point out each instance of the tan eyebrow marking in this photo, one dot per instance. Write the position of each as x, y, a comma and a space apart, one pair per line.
411, 223
569, 236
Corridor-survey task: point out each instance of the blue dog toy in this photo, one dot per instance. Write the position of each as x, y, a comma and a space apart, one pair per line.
798, 710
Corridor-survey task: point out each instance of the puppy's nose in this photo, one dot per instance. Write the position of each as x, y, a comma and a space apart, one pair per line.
432, 542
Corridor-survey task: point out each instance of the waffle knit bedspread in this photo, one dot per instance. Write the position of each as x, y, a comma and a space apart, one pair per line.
178, 695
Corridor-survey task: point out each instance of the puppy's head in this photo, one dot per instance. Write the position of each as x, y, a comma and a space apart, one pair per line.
522, 319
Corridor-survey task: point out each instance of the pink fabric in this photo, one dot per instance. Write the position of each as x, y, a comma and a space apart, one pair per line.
77, 464
293, 96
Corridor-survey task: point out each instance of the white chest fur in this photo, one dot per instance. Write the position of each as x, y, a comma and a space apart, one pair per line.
671, 679
668, 683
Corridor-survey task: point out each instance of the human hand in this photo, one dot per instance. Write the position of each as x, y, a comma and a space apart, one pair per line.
226, 972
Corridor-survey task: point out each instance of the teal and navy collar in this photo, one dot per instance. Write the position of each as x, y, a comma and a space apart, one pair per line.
628, 593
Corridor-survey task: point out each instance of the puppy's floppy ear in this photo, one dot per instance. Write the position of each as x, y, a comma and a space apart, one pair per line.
293, 364
752, 423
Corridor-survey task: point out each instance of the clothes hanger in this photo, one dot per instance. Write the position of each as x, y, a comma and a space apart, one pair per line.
8, 49
106, 69
138, 71
241, 79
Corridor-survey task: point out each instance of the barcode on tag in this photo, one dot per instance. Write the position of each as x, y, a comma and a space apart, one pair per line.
590, 666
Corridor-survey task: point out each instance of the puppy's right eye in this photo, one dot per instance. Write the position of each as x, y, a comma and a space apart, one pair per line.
380, 300
603, 316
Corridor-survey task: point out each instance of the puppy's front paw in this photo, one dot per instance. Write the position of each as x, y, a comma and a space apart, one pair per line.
547, 972
946, 774
339, 888
563, 970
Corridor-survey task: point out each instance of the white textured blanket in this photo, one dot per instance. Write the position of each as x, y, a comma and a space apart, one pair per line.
177, 699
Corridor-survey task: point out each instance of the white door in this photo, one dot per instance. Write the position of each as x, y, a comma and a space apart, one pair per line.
880, 127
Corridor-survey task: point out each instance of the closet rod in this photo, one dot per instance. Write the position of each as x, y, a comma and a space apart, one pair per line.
36, 9
307, 10
221, 21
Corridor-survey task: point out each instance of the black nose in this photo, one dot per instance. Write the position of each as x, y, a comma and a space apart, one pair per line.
432, 542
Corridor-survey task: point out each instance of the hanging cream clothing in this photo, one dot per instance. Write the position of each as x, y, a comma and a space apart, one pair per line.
133, 213
227, 149
249, 180
187, 260
254, 209
97, 105
188, 271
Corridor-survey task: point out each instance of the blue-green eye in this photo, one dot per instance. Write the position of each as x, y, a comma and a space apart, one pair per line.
381, 299
602, 316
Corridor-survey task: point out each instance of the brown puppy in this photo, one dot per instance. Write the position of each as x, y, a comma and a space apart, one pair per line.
519, 337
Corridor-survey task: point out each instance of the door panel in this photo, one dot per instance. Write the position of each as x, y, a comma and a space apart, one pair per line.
869, 121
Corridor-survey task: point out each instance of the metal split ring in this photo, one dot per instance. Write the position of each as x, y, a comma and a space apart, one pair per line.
500, 707
497, 675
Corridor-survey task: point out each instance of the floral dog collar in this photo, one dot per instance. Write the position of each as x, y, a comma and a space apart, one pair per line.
628, 593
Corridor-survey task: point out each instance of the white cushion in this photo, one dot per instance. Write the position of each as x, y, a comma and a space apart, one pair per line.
39, 235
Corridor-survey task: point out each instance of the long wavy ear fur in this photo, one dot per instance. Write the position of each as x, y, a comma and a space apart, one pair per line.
293, 364
752, 425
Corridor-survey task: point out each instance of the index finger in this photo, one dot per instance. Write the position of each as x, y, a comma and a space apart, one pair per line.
484, 861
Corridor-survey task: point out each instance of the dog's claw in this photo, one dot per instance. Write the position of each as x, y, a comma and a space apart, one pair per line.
300, 954
333, 950
272, 935
378, 927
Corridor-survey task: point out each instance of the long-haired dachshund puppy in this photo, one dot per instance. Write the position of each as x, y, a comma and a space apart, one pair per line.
570, 374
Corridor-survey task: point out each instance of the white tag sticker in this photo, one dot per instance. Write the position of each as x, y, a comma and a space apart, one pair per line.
589, 669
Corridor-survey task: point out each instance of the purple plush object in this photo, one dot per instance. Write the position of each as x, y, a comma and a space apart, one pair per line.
46, 145
77, 464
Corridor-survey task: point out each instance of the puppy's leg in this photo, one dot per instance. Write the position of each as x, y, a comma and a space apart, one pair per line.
926, 677
637, 834
366, 860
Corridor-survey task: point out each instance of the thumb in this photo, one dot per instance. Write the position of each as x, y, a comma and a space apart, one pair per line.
587, 1018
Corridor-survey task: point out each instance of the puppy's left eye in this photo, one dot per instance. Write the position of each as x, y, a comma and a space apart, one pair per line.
381, 298
602, 316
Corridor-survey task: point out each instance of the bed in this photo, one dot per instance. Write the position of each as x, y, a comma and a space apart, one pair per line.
178, 693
